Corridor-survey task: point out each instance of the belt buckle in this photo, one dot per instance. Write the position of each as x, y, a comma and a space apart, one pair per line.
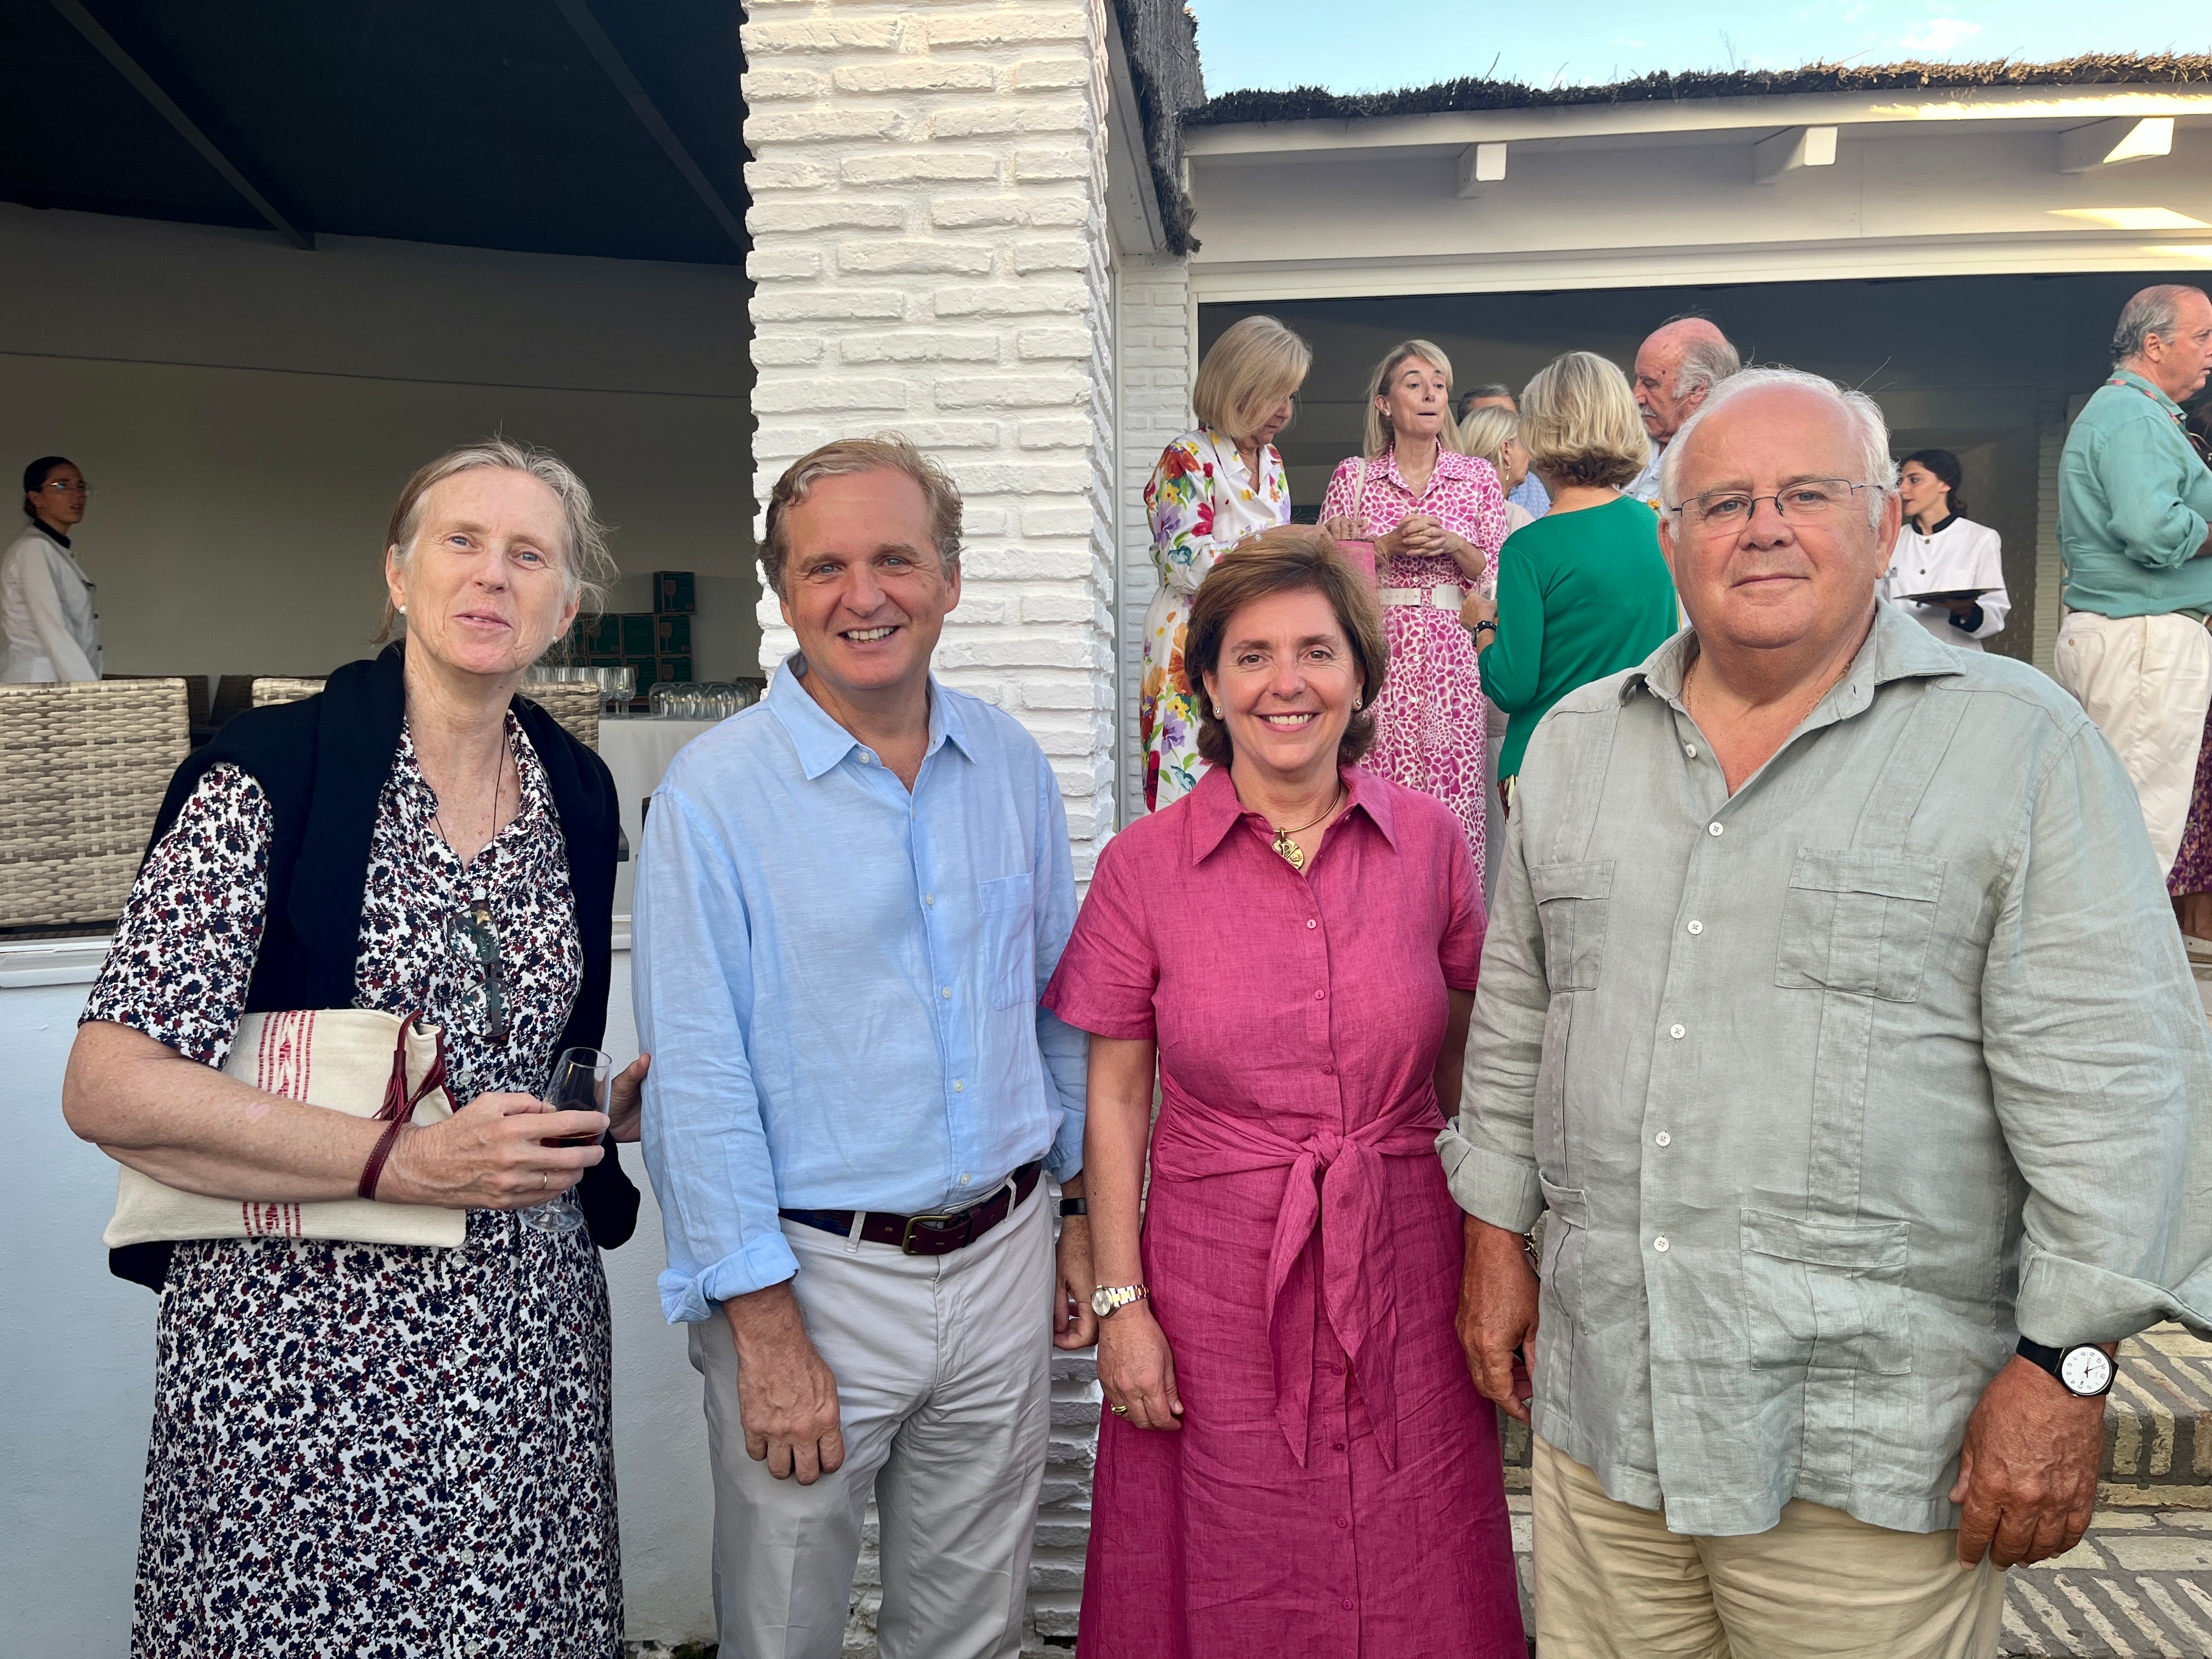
906, 1239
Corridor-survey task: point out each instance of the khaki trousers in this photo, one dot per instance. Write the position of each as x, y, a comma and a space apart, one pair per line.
944, 1368
2147, 682
1612, 1582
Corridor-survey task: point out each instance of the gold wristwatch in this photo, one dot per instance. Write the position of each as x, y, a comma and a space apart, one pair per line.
1108, 1298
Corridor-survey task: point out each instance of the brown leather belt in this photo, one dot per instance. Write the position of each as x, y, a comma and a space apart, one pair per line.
928, 1235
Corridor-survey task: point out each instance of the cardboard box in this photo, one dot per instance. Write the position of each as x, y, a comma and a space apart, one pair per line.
674, 670
672, 636
637, 633
595, 636
644, 670
675, 593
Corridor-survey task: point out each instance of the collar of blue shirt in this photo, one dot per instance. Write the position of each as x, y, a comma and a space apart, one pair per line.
1898, 648
822, 743
2129, 377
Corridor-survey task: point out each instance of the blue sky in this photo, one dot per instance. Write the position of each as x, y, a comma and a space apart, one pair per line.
1398, 43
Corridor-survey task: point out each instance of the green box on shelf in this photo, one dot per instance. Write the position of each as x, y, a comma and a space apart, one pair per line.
675, 593
645, 669
672, 636
597, 637
675, 670
637, 633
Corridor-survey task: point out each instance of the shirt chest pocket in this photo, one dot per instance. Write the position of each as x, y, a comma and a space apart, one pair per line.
1858, 923
1005, 925
1571, 902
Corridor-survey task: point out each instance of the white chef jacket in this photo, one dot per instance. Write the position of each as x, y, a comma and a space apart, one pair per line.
48, 629
1957, 554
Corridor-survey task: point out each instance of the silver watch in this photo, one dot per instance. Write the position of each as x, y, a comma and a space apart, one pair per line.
1108, 1298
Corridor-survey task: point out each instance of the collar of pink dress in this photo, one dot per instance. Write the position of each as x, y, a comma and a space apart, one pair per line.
1215, 809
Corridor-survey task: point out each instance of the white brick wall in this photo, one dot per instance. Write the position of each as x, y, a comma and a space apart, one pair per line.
1156, 377
929, 234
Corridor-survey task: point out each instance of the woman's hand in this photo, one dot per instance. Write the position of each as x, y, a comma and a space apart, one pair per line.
1478, 607
491, 1155
1136, 1370
1344, 527
1471, 559
626, 1106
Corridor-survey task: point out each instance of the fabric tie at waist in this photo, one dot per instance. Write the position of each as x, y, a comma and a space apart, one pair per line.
1335, 1184
1444, 596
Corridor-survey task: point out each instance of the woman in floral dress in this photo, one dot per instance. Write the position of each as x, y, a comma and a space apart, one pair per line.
1438, 520
1213, 487
363, 1448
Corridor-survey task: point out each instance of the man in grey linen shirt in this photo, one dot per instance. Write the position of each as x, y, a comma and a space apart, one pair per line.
1831, 1008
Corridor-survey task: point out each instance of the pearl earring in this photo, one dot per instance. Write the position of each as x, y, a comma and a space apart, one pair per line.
1356, 704
403, 610
1217, 711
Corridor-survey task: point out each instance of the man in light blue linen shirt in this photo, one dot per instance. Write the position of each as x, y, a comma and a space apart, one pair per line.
849, 899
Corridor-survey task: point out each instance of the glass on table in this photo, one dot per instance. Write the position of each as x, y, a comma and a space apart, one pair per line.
579, 1083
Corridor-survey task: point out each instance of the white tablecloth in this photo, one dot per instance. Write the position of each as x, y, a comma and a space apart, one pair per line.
637, 751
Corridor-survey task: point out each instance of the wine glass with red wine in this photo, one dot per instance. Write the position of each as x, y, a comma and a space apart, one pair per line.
579, 1083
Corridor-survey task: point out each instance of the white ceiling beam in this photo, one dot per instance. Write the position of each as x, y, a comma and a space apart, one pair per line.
1480, 165
2108, 144
1791, 149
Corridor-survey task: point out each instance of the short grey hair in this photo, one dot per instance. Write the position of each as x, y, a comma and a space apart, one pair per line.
1704, 364
1874, 464
890, 452
588, 568
2153, 311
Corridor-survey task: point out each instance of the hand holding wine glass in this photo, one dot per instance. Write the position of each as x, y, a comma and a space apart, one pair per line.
579, 1083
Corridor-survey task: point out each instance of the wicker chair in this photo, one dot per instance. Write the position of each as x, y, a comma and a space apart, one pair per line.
87, 764
575, 704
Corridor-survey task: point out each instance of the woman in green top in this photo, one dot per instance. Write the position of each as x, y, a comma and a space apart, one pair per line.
1583, 591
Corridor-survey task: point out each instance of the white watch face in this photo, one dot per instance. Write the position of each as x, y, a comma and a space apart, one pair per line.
2085, 1371
1102, 1302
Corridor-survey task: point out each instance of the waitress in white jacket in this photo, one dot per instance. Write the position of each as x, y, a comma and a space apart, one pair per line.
48, 628
1939, 551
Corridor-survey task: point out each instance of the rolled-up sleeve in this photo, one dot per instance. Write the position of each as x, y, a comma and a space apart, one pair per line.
704, 1140
2100, 1064
1489, 1149
2143, 489
1066, 1051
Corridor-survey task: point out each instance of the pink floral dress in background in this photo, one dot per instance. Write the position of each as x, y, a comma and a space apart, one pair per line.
1429, 725
1200, 502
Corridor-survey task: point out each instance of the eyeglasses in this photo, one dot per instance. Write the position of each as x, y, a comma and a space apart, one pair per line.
61, 489
1809, 501
470, 934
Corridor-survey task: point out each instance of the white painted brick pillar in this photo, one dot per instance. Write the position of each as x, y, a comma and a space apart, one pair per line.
929, 241
1155, 407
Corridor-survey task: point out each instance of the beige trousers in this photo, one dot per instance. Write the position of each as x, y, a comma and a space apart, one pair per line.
2147, 682
944, 1387
1612, 1582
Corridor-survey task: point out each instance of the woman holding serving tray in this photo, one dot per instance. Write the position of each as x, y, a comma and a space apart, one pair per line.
382, 1401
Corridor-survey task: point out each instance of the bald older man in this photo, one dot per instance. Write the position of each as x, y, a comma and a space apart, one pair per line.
1826, 1009
1676, 368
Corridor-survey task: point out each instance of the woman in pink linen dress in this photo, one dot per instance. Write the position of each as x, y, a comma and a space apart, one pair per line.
1438, 519
1323, 1478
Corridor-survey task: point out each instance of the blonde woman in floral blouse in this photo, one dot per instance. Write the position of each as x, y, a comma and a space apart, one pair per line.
1213, 489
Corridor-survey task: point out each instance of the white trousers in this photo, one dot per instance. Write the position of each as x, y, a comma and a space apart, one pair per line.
2147, 682
944, 1368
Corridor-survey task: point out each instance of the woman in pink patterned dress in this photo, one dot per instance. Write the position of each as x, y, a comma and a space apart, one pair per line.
1438, 519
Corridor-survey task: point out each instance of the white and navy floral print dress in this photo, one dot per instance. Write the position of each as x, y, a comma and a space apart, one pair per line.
378, 1450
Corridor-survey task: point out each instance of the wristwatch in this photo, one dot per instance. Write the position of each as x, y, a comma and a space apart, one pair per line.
1074, 1206
1477, 630
2086, 1370
1108, 1298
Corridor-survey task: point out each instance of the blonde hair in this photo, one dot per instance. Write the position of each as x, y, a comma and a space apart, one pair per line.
1252, 368
1486, 432
1377, 436
587, 569
890, 452
1579, 424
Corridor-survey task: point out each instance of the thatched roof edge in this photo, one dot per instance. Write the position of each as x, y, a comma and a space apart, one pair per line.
1161, 40
1314, 104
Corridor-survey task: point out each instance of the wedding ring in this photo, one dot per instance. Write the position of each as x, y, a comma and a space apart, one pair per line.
545, 1181
1118, 1411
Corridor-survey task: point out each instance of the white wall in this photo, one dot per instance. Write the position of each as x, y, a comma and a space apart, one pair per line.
246, 413
1154, 408
77, 1358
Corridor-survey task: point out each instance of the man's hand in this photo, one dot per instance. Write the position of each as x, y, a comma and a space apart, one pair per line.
787, 1397
1498, 1314
2028, 1472
1073, 1324
626, 1110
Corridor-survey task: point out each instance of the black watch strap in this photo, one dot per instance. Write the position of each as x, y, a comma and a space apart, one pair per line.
1073, 1207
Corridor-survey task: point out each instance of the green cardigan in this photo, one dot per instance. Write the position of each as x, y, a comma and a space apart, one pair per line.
1580, 595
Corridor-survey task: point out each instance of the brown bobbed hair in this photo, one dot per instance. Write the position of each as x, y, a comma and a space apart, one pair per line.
1293, 558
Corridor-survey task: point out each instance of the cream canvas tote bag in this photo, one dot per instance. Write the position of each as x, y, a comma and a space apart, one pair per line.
359, 1061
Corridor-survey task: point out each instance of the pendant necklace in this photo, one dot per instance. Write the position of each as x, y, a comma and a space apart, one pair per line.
1291, 852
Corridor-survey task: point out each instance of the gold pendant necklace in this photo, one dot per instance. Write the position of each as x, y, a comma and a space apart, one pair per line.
1291, 852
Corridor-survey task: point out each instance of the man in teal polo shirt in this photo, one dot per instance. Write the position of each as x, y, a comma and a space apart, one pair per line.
2135, 506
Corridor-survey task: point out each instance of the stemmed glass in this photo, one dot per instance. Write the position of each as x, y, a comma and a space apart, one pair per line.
579, 1084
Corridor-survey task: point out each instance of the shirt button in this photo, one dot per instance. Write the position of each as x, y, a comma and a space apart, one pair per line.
1318, 995
959, 1085
1328, 1071
1313, 924
1349, 1604
1342, 1520
929, 898
1676, 1032
1336, 1445
1712, 828
946, 993
1660, 1244
1696, 927
1662, 1138
1691, 750
964, 1180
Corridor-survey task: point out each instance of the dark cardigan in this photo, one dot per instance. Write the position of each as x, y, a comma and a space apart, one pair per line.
323, 763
